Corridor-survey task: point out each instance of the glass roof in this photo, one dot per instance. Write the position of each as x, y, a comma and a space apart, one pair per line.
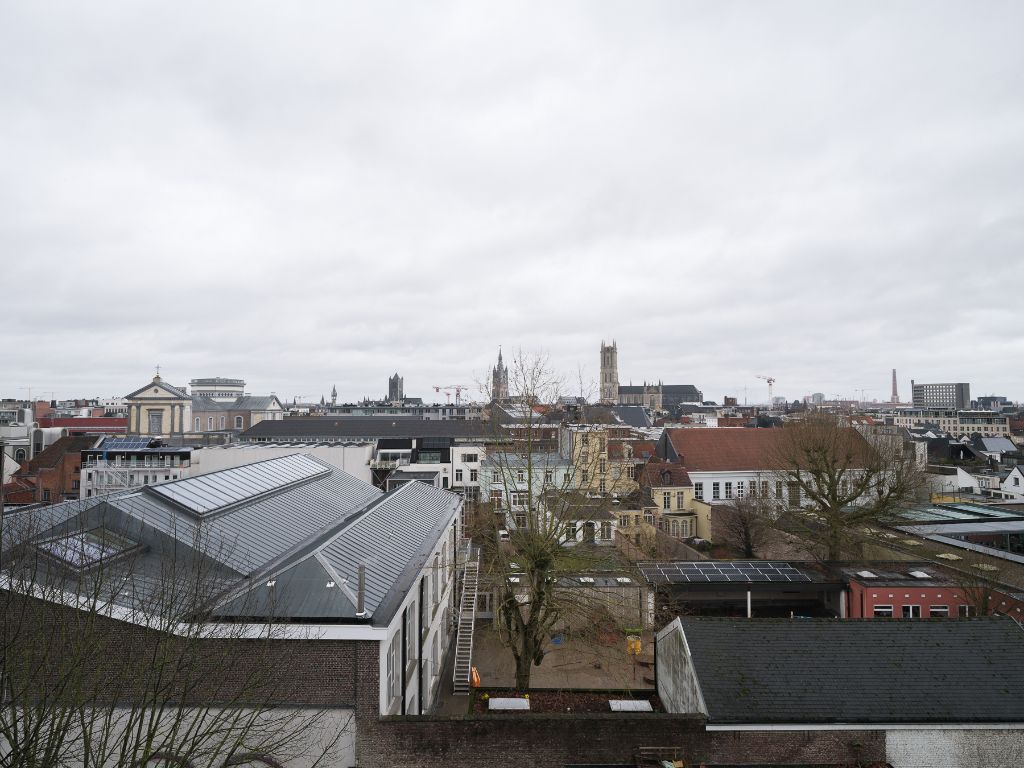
84, 548
206, 493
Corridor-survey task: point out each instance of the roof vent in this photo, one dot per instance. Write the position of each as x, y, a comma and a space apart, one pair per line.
623, 580
866, 575
920, 575
586, 579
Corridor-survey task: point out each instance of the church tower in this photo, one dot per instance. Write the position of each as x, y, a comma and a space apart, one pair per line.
609, 372
334, 395
499, 380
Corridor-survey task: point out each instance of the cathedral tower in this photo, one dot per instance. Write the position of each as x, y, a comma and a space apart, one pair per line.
609, 372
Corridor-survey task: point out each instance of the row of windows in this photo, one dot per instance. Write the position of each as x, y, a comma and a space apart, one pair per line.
239, 423
914, 611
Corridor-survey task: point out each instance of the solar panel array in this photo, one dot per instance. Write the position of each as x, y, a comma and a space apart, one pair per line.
125, 443
705, 572
207, 493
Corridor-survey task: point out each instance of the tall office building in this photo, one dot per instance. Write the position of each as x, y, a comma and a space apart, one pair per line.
942, 395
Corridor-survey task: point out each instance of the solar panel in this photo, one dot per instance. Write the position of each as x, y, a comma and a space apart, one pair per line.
705, 572
206, 493
125, 443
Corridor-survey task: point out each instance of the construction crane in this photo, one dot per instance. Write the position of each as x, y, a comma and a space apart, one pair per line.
448, 389
770, 381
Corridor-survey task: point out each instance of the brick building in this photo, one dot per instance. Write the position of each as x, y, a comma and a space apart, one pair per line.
55, 474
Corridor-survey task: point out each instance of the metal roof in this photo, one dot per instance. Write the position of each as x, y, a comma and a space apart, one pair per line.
293, 521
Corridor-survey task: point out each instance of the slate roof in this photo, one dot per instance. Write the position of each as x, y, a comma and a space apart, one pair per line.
859, 670
633, 415
161, 384
202, 404
371, 427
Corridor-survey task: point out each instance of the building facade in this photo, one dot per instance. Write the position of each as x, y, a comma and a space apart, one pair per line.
158, 410
947, 395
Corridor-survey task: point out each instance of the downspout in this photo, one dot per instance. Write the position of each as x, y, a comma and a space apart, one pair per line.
419, 661
405, 661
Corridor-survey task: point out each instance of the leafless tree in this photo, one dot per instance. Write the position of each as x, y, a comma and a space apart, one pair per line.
829, 481
745, 523
112, 654
541, 521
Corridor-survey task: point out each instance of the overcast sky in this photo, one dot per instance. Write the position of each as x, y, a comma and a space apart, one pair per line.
303, 195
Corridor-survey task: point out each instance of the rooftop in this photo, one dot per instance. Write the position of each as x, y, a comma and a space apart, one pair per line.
858, 671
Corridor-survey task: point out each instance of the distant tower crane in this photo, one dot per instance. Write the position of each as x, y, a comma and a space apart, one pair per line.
770, 381
458, 389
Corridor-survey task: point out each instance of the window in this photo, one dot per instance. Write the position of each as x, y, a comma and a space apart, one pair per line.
411, 633
715, 493
585, 477
666, 500
198, 422
680, 499
222, 419
458, 475
728, 490
794, 495
938, 611
238, 422
474, 475
964, 611
764, 488
698, 491
521, 476
570, 531
46, 494
393, 679
519, 498
602, 467
631, 472
75, 485
778, 490
497, 498
606, 530
470, 458
548, 476
911, 611
740, 489
520, 520
883, 611
209, 422
602, 486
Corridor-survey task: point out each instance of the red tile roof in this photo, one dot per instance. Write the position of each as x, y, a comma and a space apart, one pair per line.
663, 474
641, 449
721, 450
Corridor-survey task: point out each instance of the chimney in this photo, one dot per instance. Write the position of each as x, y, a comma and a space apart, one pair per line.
361, 595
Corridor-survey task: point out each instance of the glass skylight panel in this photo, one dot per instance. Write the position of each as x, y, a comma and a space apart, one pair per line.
85, 548
206, 493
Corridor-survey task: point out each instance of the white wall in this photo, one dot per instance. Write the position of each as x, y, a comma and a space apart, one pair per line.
677, 683
939, 748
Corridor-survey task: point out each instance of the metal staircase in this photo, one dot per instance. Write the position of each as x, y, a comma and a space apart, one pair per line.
470, 567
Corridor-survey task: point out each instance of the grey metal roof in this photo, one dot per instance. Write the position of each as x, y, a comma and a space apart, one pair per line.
368, 427
633, 415
291, 509
392, 538
858, 670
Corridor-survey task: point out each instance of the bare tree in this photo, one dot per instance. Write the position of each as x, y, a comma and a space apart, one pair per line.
830, 480
542, 520
744, 523
112, 653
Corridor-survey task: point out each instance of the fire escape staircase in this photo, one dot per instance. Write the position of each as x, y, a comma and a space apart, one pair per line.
467, 614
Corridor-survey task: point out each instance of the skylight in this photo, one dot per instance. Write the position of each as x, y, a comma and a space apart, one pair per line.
84, 549
866, 575
920, 575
